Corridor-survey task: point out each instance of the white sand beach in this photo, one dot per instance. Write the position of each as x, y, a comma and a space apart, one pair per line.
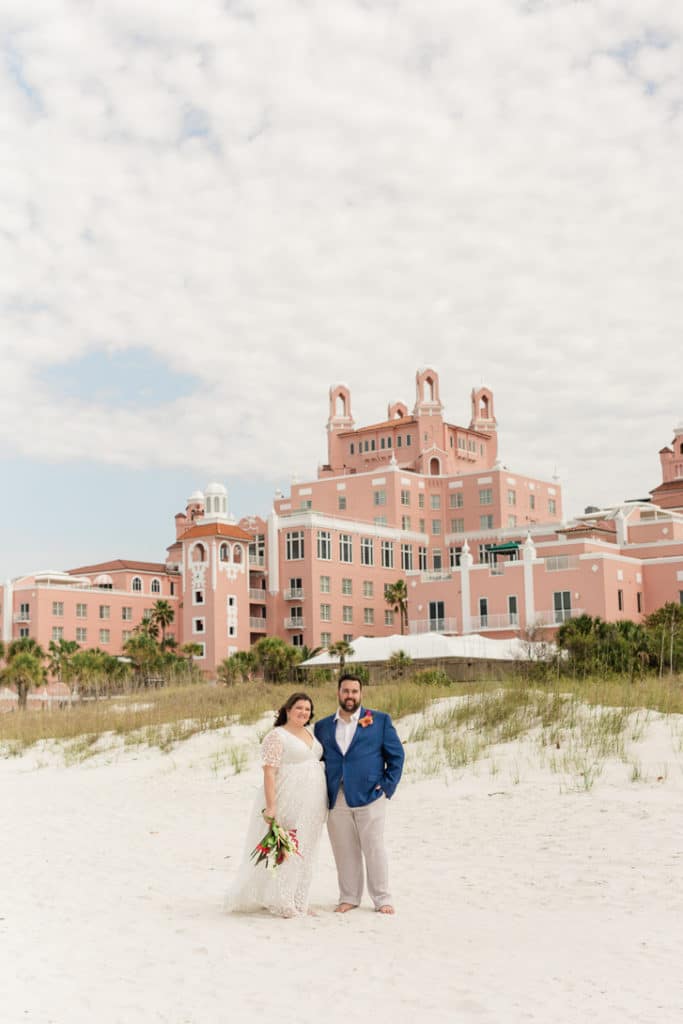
523, 894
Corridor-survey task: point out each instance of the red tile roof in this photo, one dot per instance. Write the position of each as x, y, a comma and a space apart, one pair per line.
216, 530
119, 564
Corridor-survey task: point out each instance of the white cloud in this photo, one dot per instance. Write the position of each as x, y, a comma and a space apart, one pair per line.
275, 197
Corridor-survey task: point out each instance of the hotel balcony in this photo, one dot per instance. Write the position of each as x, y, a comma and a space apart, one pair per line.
257, 624
294, 623
294, 594
556, 616
433, 626
21, 617
436, 575
257, 594
257, 560
504, 620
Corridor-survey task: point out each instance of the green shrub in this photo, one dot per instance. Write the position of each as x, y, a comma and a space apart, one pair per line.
431, 677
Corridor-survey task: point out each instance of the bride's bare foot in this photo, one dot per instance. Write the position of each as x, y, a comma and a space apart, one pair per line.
386, 909
344, 908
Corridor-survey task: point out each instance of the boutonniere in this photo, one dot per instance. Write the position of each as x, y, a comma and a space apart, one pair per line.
366, 720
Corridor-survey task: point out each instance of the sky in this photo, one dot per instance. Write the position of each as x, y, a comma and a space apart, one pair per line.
212, 212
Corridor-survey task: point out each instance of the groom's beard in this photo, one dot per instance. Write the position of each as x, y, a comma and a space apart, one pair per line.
349, 705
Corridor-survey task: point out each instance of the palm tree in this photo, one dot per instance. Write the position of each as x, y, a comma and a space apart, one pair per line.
60, 653
24, 671
275, 658
398, 664
341, 649
25, 645
192, 651
396, 595
162, 615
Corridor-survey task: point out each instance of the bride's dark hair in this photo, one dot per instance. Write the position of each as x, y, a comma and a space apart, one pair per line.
281, 717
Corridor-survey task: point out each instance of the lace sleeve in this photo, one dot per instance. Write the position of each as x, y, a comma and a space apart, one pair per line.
271, 750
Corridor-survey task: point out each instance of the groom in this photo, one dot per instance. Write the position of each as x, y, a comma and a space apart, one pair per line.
363, 764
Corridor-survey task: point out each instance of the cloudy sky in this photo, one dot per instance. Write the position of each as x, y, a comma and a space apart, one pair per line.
212, 211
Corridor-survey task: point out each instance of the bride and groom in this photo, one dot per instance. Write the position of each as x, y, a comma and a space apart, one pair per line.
351, 764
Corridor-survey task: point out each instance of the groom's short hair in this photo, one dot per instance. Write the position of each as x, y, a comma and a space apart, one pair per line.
349, 676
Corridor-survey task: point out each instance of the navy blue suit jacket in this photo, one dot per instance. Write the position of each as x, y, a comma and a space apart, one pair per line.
372, 765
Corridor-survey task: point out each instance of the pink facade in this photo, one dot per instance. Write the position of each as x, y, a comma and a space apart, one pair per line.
481, 548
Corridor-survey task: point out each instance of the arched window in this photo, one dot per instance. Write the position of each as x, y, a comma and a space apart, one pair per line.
428, 390
341, 405
224, 553
199, 553
237, 554
136, 584
484, 407
156, 587
434, 467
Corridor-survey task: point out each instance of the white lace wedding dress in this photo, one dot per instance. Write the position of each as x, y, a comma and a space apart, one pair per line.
301, 803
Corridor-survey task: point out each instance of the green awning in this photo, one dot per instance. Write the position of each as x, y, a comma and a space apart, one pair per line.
512, 546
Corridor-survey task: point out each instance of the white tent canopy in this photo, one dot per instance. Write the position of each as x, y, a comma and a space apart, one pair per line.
433, 647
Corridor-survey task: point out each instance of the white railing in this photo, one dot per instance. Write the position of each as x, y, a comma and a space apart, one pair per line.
294, 623
257, 623
556, 616
21, 617
496, 568
559, 562
433, 626
257, 559
504, 620
436, 575
257, 594
294, 594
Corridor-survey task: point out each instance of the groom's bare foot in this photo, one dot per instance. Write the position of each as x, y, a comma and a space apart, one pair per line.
344, 908
386, 909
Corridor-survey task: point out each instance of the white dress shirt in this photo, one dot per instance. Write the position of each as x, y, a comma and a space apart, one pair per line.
346, 730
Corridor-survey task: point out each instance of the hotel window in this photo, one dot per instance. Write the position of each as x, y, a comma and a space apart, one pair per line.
81, 611
512, 497
198, 625
680, 596
388, 617
345, 547
136, 584
24, 631
198, 597
380, 520
369, 616
372, 445
347, 586
347, 613
562, 605
436, 526
326, 612
399, 441
387, 554
127, 614
58, 608
620, 600
409, 440
24, 611
456, 500
486, 522
420, 501
422, 559
405, 497
639, 600
512, 610
486, 496
104, 636
294, 545
484, 611
435, 502
202, 651
382, 442
437, 563
348, 637
368, 588
512, 520
422, 525
484, 555
367, 551
105, 611
405, 522
296, 612
324, 584
552, 506
325, 639
532, 502
461, 443
155, 587
324, 548
341, 502
455, 557
126, 635
457, 525
298, 640
352, 448
81, 634
388, 442
306, 504
232, 600
407, 557
57, 633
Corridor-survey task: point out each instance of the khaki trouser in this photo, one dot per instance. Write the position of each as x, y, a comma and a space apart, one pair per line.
357, 833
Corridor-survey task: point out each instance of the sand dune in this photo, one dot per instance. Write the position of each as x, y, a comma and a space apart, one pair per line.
520, 895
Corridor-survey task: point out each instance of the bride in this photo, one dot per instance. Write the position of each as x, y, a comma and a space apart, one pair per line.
295, 794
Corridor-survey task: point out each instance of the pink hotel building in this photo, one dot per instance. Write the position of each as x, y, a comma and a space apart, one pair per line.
482, 549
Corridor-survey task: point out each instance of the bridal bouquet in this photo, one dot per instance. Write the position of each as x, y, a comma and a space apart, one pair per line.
276, 846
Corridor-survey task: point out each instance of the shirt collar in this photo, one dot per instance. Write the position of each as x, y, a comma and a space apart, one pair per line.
354, 717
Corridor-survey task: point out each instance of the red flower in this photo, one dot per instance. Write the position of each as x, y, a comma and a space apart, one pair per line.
366, 720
